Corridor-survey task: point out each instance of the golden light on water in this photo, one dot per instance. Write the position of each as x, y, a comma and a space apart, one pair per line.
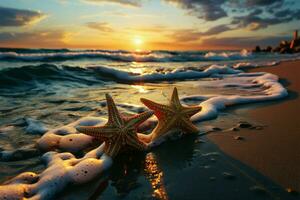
136, 70
140, 88
155, 176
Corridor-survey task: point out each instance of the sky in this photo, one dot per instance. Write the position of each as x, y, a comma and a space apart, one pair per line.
147, 24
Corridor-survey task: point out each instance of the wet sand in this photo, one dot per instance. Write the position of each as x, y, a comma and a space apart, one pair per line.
275, 150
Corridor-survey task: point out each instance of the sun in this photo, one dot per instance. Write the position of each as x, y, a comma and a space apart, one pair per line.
137, 40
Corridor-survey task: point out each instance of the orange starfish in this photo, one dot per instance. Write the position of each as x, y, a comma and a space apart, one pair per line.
118, 132
173, 116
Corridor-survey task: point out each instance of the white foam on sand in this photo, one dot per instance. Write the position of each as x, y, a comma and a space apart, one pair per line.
271, 89
63, 169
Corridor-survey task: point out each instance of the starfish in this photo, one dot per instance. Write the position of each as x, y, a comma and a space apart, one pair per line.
172, 116
119, 132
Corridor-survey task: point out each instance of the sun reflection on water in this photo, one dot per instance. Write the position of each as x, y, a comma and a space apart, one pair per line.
136, 70
155, 176
140, 88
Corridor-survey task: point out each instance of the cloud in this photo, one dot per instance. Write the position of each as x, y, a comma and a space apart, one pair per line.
217, 29
19, 17
243, 42
208, 10
180, 35
250, 14
134, 3
255, 19
49, 38
185, 35
264, 2
188, 35
100, 26
244, 5
151, 29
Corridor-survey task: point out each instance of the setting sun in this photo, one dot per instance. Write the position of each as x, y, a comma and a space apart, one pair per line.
138, 41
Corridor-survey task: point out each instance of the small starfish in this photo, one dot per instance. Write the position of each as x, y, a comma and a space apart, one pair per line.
172, 116
118, 132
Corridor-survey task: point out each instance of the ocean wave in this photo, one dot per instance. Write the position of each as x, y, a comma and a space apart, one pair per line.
122, 56
44, 73
215, 56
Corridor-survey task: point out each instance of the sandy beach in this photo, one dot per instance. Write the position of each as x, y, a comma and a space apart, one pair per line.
273, 151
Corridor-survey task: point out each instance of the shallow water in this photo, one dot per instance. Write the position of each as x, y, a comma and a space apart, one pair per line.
45, 89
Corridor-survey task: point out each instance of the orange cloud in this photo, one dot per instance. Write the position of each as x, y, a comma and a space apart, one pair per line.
39, 39
100, 26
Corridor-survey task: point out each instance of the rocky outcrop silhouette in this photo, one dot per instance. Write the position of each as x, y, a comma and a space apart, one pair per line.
284, 46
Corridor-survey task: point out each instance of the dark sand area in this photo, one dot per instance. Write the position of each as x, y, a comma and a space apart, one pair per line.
275, 150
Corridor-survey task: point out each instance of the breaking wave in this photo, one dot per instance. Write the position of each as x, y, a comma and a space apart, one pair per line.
122, 56
99, 74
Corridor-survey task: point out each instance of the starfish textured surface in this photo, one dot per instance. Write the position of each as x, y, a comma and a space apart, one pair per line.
173, 116
119, 132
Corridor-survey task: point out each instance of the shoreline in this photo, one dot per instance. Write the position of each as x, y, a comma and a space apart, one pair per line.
273, 151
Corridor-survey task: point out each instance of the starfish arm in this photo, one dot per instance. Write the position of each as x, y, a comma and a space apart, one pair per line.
136, 120
159, 109
97, 131
191, 110
112, 148
189, 127
163, 127
144, 138
114, 116
133, 141
175, 99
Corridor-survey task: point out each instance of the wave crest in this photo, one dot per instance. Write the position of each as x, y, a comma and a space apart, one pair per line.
29, 75
123, 56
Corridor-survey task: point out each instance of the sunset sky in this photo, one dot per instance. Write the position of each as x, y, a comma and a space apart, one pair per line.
146, 24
